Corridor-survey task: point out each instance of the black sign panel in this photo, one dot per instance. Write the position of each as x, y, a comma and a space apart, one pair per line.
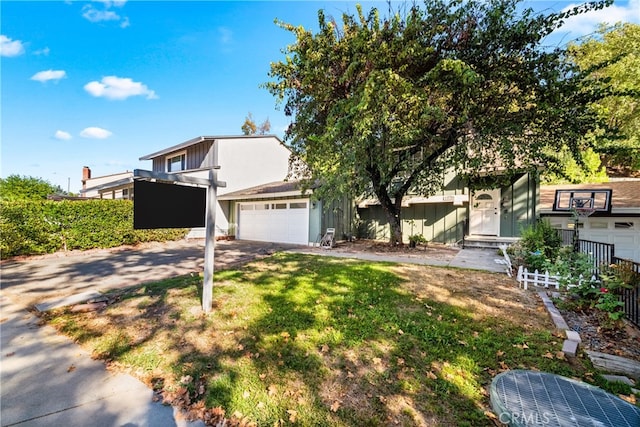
160, 205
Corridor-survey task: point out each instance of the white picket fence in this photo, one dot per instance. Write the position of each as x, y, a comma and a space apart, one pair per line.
525, 277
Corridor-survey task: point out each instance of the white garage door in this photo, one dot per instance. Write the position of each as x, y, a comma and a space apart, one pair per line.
285, 221
622, 232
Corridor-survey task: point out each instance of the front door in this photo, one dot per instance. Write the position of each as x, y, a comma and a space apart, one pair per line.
485, 213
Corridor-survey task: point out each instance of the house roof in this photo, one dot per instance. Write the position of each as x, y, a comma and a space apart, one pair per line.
270, 190
625, 193
200, 139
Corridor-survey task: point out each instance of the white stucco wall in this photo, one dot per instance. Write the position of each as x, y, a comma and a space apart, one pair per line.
244, 163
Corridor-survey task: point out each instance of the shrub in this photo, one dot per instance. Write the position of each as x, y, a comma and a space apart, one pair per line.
539, 245
30, 227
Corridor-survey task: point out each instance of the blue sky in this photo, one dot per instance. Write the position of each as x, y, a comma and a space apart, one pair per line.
103, 83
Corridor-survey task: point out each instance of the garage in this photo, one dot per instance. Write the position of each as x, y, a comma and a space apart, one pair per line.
620, 225
281, 221
624, 233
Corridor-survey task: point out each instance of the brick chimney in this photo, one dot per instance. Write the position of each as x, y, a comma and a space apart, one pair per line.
86, 174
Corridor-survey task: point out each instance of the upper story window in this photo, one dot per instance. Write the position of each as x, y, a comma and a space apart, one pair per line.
177, 162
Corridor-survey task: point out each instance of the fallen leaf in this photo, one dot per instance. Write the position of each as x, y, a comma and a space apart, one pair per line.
10, 354
630, 398
262, 376
400, 332
560, 355
335, 406
499, 353
260, 405
71, 368
293, 415
548, 355
432, 376
350, 375
400, 361
246, 394
324, 348
377, 360
273, 389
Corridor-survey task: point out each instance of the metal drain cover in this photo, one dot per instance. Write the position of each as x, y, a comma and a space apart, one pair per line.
530, 398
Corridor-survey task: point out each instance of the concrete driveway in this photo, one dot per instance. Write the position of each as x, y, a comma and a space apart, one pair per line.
37, 279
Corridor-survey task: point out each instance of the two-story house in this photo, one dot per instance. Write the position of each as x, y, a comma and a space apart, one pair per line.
257, 202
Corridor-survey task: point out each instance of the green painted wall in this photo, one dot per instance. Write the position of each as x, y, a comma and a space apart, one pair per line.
518, 205
445, 223
339, 215
437, 222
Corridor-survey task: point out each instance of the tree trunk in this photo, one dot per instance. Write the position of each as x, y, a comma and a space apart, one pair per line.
392, 211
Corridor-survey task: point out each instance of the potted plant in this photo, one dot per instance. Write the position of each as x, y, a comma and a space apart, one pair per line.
416, 239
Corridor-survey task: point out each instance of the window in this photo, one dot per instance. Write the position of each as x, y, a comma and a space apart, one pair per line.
298, 205
599, 224
177, 163
125, 193
262, 206
624, 225
246, 207
279, 206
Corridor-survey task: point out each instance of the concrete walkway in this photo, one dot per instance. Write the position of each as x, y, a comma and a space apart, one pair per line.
473, 258
47, 380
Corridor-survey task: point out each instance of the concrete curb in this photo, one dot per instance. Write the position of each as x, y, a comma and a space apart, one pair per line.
571, 344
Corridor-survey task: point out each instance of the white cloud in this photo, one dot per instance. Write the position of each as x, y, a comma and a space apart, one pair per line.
587, 23
93, 14
9, 47
44, 51
95, 133
112, 87
45, 76
109, 3
62, 135
226, 35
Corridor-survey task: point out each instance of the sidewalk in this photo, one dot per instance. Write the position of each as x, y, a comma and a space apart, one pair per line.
47, 380
475, 259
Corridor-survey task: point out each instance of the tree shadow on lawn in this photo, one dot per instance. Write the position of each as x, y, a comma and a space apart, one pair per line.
343, 342
326, 341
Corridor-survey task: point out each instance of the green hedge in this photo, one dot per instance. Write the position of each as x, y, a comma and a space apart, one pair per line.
40, 227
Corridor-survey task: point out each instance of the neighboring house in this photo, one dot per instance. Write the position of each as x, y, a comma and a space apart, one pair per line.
621, 226
459, 215
115, 186
257, 203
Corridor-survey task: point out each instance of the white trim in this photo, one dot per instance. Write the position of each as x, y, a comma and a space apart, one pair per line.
262, 196
172, 156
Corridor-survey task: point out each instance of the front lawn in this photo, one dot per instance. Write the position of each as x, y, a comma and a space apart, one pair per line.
312, 340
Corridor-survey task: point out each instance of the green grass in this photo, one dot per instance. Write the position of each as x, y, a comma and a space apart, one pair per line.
306, 340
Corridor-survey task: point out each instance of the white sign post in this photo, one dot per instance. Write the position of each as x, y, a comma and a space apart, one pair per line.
212, 185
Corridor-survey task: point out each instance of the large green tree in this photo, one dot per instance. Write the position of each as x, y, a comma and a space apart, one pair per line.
16, 187
386, 105
613, 53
